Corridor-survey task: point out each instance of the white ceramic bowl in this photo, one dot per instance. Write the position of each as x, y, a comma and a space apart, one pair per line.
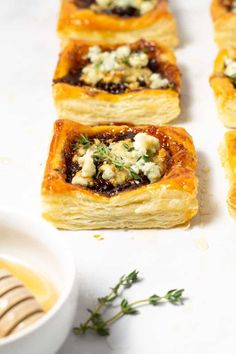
39, 245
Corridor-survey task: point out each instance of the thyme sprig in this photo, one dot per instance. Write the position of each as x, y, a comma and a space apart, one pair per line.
145, 157
96, 322
128, 147
103, 153
83, 140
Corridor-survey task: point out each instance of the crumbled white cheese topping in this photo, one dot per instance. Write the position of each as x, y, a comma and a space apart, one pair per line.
121, 65
152, 171
143, 6
126, 160
146, 6
157, 81
144, 143
77, 179
123, 52
230, 67
87, 164
138, 60
93, 52
108, 172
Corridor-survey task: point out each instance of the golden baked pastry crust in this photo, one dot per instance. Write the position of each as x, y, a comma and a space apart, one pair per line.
224, 23
78, 23
224, 90
91, 106
171, 201
228, 157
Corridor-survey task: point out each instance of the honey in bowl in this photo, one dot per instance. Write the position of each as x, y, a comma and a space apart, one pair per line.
25, 296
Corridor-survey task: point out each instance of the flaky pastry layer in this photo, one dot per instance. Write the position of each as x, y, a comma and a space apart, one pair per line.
228, 158
224, 25
171, 201
76, 23
224, 90
90, 106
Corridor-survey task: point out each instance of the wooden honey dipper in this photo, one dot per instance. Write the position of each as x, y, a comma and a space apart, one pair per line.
18, 306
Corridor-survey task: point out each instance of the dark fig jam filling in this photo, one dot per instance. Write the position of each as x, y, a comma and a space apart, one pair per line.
125, 13
105, 187
112, 87
84, 4
72, 78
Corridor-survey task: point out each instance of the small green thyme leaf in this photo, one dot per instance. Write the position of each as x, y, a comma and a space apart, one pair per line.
154, 299
144, 157
127, 309
125, 61
102, 330
102, 153
171, 85
83, 140
130, 279
118, 163
146, 50
133, 174
128, 148
175, 296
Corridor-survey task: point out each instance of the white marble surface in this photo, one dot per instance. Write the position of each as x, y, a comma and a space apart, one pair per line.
201, 259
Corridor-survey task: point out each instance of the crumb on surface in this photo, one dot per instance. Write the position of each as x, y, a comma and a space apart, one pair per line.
99, 237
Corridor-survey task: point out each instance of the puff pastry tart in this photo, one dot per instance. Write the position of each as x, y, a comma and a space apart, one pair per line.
119, 177
228, 156
223, 82
224, 19
117, 21
135, 84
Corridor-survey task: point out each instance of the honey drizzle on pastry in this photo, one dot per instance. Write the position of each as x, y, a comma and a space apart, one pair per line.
18, 307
